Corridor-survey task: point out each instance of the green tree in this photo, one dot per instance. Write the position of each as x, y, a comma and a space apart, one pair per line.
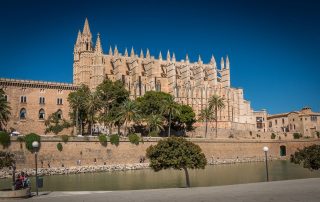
207, 116
112, 95
155, 123
152, 102
170, 108
4, 110
185, 118
5, 140
176, 153
309, 157
93, 104
77, 101
216, 103
55, 123
128, 113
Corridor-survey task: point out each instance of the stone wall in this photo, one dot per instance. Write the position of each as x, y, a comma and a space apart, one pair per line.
126, 153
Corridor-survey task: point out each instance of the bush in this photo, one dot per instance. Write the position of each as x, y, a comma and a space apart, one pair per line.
318, 134
273, 136
65, 138
103, 140
297, 135
29, 139
154, 134
115, 139
5, 139
134, 138
59, 146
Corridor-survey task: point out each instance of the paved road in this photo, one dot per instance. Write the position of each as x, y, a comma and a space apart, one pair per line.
305, 190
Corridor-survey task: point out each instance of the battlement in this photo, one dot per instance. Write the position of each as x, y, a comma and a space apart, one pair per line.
36, 84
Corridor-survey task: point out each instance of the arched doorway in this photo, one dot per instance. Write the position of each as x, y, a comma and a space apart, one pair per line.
283, 150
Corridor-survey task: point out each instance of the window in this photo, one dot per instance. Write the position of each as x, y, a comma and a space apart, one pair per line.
59, 114
41, 114
282, 121
42, 90
293, 120
276, 122
270, 124
59, 101
294, 126
42, 100
313, 118
23, 113
23, 99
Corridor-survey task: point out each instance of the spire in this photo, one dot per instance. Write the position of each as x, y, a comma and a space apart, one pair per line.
141, 54
148, 54
168, 56
187, 58
132, 52
126, 53
199, 59
98, 47
78, 37
110, 51
227, 63
160, 56
173, 57
213, 61
86, 28
116, 52
222, 63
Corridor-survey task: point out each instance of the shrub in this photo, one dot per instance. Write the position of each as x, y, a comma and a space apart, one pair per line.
318, 134
297, 135
154, 134
103, 140
29, 139
115, 139
59, 146
5, 139
134, 138
273, 136
65, 138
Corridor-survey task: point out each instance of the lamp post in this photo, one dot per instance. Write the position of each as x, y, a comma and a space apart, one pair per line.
266, 149
35, 145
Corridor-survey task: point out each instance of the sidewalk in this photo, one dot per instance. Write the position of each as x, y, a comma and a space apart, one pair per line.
305, 190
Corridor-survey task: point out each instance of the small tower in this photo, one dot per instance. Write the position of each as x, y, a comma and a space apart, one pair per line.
200, 60
173, 57
141, 54
168, 56
225, 73
160, 56
86, 37
77, 47
97, 74
116, 52
222, 63
110, 51
148, 54
187, 58
132, 52
126, 53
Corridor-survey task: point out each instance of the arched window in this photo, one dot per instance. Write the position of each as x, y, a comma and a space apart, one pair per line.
23, 113
59, 114
283, 151
41, 114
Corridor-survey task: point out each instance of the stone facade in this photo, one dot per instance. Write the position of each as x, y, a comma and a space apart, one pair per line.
305, 122
32, 102
191, 83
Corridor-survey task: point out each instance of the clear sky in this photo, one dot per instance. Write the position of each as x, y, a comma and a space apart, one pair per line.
273, 46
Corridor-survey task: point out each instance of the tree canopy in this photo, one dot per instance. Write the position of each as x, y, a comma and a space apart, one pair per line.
4, 110
309, 157
55, 123
176, 153
6, 159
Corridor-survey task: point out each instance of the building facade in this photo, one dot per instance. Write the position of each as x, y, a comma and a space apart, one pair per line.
191, 83
32, 102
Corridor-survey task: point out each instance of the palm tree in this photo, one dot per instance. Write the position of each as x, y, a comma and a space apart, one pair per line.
92, 105
128, 112
216, 103
154, 122
4, 110
171, 108
206, 115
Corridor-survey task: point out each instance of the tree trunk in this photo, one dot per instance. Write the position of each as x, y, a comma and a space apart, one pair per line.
216, 113
205, 134
91, 126
187, 176
125, 129
77, 121
169, 124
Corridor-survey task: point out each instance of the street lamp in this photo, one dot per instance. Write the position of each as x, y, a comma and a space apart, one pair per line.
35, 145
266, 149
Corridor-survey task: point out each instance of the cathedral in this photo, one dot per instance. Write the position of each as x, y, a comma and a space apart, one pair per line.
191, 83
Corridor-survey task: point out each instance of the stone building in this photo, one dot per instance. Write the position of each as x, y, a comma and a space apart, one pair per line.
32, 102
191, 83
305, 122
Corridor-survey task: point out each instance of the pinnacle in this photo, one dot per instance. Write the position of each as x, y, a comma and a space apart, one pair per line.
78, 37
168, 56
160, 56
141, 54
110, 51
86, 28
132, 52
98, 47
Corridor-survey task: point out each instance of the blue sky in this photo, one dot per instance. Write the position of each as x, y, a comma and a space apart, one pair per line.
273, 46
